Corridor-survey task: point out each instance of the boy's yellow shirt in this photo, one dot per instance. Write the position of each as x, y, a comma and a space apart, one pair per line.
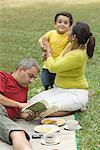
57, 42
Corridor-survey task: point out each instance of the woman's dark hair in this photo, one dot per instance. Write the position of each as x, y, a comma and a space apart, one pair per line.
84, 36
67, 14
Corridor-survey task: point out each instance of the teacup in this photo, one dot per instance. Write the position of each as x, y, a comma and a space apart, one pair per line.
72, 124
50, 138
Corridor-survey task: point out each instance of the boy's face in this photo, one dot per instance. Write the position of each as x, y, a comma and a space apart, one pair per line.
62, 24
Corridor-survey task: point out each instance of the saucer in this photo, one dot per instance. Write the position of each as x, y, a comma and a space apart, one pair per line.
77, 128
44, 143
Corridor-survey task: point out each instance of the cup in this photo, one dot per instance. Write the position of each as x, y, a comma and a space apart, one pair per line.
50, 138
72, 124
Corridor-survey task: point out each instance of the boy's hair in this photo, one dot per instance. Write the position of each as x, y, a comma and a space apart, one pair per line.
67, 14
27, 63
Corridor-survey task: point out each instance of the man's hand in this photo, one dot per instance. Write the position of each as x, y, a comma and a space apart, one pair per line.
22, 105
27, 115
31, 116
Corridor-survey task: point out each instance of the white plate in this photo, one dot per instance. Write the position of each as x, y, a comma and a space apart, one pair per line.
47, 128
66, 127
53, 120
44, 143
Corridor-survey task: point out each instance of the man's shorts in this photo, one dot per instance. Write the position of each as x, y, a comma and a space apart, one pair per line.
7, 126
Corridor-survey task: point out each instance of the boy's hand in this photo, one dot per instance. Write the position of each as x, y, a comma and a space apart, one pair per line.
44, 55
41, 44
46, 45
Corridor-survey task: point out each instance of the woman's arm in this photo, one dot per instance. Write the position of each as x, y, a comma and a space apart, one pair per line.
71, 60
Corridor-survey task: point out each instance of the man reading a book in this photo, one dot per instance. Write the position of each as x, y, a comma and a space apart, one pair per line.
13, 97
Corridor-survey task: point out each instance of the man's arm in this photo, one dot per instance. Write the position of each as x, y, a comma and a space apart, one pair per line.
11, 103
7, 102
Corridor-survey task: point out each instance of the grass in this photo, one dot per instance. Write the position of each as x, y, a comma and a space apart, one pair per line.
20, 29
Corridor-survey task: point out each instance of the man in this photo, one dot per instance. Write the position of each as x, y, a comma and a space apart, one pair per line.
13, 97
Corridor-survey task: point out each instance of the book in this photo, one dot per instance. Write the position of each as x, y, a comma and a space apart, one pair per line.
42, 107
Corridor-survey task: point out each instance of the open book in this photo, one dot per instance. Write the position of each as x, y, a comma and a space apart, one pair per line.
42, 107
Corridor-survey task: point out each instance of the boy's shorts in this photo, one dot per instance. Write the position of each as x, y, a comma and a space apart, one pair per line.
47, 77
7, 126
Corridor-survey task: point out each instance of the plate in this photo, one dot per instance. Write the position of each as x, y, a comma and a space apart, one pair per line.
66, 127
54, 121
47, 128
44, 143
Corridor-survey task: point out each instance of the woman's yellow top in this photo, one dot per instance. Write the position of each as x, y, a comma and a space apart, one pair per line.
69, 69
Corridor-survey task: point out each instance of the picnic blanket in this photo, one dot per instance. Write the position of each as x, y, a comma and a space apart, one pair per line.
67, 138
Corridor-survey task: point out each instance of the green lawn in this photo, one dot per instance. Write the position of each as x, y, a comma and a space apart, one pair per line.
20, 29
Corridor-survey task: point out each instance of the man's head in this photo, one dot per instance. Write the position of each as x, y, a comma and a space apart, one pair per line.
27, 70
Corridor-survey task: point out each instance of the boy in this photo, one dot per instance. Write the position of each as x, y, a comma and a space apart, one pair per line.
58, 40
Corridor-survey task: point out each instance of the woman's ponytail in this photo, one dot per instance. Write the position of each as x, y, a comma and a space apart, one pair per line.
90, 45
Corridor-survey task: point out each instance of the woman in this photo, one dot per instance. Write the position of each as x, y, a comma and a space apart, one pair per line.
71, 88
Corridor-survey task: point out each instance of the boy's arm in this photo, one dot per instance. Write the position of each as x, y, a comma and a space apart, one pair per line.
46, 37
40, 42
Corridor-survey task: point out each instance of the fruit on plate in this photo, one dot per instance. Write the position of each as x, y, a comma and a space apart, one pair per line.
48, 121
55, 121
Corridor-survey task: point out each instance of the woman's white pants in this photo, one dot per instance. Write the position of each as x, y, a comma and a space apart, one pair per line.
66, 99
